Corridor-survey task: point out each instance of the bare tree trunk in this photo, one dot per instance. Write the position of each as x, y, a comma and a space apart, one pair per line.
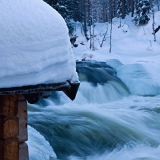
74, 11
104, 36
104, 13
114, 9
85, 25
158, 4
153, 21
120, 22
132, 14
110, 49
111, 16
123, 9
93, 48
90, 23
90, 37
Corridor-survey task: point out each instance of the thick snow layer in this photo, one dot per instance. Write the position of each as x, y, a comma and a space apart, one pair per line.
34, 45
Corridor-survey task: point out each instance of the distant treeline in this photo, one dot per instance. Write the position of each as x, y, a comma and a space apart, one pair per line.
90, 11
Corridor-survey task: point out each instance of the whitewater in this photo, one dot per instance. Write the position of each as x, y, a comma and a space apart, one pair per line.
116, 113
105, 121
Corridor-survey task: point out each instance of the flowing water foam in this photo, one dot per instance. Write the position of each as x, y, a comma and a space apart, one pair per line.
104, 122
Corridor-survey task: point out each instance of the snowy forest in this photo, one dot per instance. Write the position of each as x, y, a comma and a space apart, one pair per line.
90, 12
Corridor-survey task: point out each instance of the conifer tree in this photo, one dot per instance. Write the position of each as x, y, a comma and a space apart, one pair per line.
122, 9
119, 11
67, 9
142, 10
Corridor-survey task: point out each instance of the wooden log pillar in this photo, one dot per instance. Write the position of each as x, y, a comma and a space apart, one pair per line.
13, 128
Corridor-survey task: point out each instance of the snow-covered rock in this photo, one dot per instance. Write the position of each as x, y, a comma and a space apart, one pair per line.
34, 45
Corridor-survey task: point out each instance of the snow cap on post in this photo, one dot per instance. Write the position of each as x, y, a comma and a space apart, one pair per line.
34, 45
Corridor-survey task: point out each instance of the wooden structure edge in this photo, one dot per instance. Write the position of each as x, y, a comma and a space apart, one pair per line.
14, 118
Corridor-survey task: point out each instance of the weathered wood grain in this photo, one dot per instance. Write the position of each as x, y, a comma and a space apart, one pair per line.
9, 127
9, 105
9, 149
23, 151
23, 120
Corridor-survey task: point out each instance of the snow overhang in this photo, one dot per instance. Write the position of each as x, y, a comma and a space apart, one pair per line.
35, 50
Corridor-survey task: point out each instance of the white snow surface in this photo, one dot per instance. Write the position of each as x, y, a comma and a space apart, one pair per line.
34, 45
44, 151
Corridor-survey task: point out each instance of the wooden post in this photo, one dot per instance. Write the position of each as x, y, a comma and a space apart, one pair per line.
13, 115
13, 128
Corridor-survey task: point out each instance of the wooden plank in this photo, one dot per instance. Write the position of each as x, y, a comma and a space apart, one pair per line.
23, 119
23, 151
35, 89
9, 105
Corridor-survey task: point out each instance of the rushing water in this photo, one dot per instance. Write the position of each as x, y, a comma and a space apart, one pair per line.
105, 122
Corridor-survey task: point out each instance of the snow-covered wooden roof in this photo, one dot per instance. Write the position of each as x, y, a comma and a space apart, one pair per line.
34, 45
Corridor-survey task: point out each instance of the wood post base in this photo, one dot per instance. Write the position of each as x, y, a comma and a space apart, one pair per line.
13, 128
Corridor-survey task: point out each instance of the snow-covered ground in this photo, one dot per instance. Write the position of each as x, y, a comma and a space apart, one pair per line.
40, 149
34, 45
133, 46
130, 43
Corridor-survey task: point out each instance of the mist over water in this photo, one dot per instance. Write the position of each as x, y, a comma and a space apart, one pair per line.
105, 122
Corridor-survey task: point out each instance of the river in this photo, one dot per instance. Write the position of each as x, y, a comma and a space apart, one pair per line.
105, 122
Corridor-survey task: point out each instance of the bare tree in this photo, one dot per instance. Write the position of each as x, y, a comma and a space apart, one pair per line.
123, 9
157, 29
132, 4
90, 23
158, 3
110, 18
153, 23
104, 36
85, 24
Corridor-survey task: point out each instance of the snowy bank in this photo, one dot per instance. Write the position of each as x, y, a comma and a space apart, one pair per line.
34, 45
44, 151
